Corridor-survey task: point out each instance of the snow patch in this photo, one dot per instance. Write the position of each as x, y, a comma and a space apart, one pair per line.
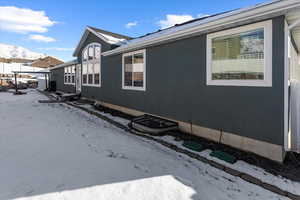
55, 152
113, 40
279, 181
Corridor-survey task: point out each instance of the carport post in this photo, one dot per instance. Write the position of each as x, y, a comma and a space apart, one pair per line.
16, 83
46, 81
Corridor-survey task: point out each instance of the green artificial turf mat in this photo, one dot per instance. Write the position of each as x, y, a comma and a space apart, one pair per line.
223, 156
193, 145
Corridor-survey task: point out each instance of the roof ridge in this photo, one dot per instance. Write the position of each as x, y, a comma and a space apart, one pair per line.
117, 35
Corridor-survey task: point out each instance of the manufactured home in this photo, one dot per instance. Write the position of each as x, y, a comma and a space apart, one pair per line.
224, 77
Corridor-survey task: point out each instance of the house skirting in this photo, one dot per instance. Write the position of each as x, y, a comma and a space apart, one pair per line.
265, 149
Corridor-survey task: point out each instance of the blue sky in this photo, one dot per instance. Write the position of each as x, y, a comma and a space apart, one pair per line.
57, 30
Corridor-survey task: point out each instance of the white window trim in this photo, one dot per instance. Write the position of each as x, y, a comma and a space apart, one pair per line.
93, 61
143, 51
267, 82
65, 75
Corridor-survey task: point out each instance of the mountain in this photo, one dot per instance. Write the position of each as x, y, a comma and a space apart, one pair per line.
11, 51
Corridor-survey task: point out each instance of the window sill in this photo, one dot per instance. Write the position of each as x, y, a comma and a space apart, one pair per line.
134, 88
69, 84
241, 83
91, 85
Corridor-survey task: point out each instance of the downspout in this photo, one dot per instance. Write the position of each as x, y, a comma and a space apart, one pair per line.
287, 132
288, 135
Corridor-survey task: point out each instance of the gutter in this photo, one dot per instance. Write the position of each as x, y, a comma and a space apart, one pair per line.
275, 8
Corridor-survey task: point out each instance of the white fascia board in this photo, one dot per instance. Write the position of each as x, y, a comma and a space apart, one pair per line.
97, 34
102, 37
82, 39
107, 38
84, 36
207, 24
72, 62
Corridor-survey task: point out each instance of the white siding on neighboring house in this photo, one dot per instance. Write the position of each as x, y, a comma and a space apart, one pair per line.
8, 68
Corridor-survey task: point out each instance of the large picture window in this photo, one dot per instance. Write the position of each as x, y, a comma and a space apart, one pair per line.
91, 65
134, 70
241, 56
69, 75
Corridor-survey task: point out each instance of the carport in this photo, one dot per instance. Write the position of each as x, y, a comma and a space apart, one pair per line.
46, 73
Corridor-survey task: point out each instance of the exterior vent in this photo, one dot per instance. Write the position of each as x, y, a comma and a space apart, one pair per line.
152, 124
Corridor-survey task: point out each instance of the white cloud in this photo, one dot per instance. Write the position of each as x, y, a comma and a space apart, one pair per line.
171, 20
202, 15
41, 38
57, 49
131, 24
23, 20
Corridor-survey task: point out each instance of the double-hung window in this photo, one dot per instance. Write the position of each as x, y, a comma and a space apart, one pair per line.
241, 56
91, 66
69, 75
134, 70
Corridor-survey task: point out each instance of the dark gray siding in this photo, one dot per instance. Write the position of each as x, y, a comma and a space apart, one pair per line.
91, 38
176, 88
58, 76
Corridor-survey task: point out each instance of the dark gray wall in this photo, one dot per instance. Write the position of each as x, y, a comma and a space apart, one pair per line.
176, 88
90, 39
58, 76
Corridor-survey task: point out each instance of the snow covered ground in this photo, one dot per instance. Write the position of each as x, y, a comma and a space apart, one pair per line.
53, 151
242, 166
279, 181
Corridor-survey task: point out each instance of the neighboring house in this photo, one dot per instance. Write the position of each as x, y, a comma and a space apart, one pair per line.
46, 62
10, 65
7, 66
224, 77
15, 60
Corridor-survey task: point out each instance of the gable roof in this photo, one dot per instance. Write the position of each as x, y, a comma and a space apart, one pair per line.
108, 37
197, 26
211, 23
46, 62
116, 35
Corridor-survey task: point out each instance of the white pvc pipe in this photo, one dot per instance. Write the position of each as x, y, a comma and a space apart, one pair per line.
296, 23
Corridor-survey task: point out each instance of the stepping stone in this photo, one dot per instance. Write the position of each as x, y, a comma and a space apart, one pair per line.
193, 146
223, 156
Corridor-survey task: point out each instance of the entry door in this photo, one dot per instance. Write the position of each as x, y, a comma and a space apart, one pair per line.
78, 78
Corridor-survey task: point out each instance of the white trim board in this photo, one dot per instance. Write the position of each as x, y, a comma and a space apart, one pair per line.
99, 35
267, 82
93, 62
69, 84
143, 51
72, 62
